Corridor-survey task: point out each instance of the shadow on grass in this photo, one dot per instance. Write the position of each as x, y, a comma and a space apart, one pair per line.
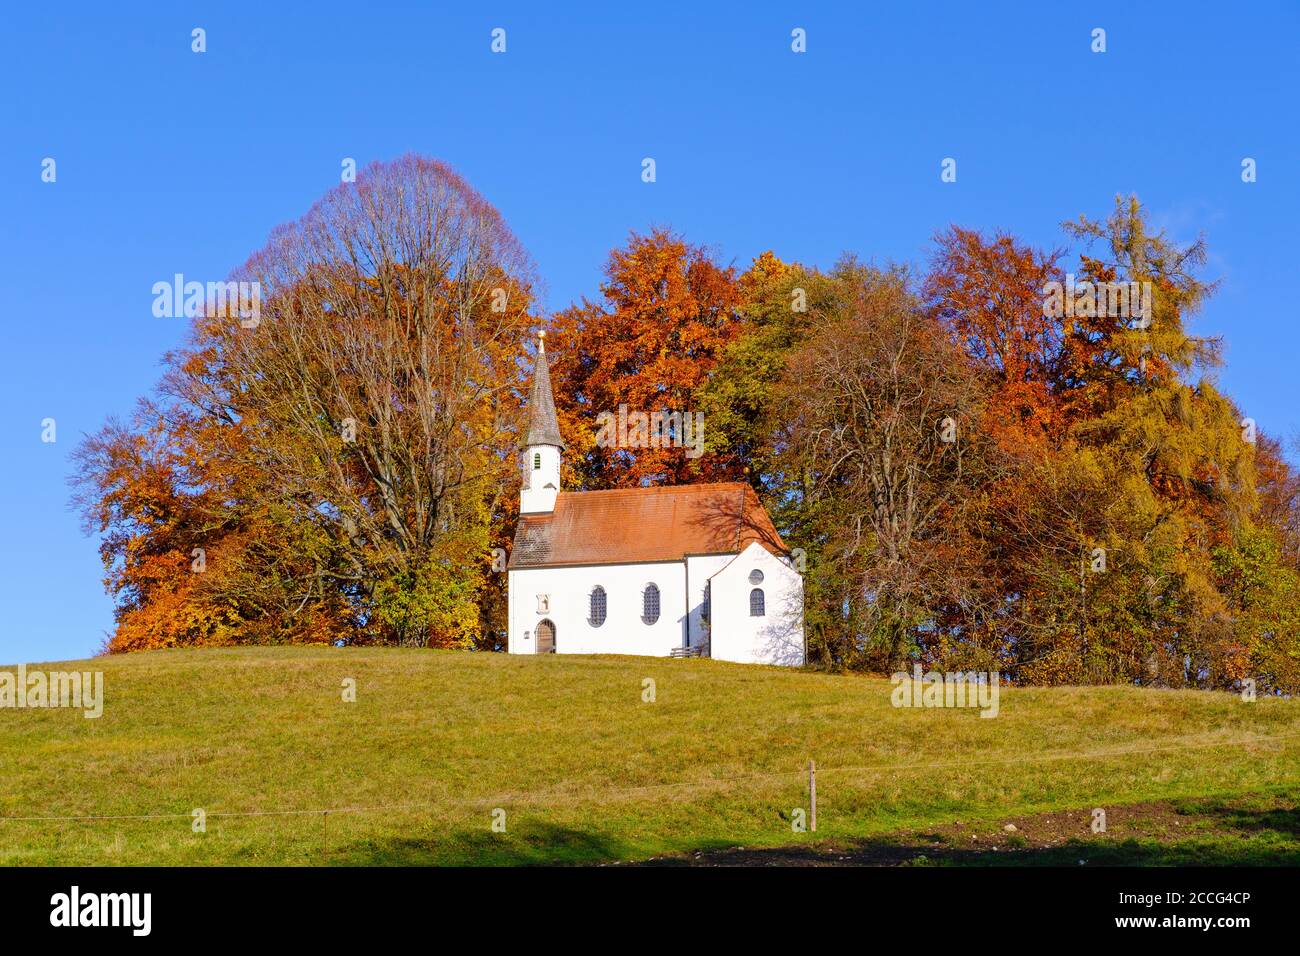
1207, 835
1278, 822
1213, 834
532, 845
1130, 852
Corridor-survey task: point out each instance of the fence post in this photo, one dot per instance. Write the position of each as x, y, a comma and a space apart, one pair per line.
812, 796
326, 817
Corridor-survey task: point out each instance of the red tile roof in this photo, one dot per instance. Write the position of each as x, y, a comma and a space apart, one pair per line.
635, 525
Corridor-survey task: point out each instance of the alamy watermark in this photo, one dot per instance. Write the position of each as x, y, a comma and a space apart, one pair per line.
75, 908
76, 689
230, 299
1117, 300
947, 689
662, 429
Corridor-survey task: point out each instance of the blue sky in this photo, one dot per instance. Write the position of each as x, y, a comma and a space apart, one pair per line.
170, 161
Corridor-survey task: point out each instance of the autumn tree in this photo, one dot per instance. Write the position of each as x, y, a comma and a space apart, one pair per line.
781, 304
1141, 396
665, 314
997, 466
890, 460
357, 438
1103, 534
990, 293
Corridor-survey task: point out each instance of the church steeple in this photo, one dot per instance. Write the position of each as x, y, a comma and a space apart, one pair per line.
543, 427
543, 444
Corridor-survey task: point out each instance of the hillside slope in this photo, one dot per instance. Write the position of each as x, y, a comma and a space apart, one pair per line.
583, 768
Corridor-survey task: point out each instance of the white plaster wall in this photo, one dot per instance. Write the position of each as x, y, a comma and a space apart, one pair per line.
776, 637
699, 568
534, 496
623, 631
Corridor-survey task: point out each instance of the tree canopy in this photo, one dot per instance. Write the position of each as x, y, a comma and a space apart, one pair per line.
1011, 459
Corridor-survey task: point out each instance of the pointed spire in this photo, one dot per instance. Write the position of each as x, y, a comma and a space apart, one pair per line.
543, 427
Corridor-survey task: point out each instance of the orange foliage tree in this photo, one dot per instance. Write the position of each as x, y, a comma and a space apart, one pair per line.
666, 313
990, 293
332, 470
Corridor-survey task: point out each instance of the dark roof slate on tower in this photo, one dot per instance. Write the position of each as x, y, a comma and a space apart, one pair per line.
543, 427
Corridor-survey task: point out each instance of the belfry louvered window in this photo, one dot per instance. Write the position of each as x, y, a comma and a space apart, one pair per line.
650, 604
757, 604
597, 616
537, 461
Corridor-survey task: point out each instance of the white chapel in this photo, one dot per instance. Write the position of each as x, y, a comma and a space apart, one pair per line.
686, 570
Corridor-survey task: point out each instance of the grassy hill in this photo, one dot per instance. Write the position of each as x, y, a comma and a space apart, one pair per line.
586, 771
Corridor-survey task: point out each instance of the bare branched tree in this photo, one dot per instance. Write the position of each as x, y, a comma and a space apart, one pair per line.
885, 441
376, 392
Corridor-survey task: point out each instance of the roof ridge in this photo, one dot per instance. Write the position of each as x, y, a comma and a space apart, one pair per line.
701, 485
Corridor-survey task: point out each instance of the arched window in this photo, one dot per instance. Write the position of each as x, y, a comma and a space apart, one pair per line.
756, 576
537, 461
757, 606
597, 616
707, 602
650, 603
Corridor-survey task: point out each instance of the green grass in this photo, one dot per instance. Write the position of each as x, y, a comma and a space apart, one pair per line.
583, 768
